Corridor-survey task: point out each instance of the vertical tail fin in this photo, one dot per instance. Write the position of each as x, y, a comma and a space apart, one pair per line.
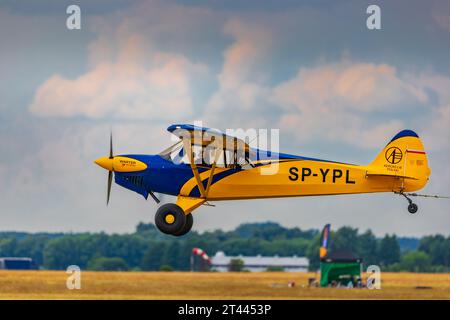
404, 156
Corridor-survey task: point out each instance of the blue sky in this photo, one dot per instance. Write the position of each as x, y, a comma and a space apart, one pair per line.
312, 69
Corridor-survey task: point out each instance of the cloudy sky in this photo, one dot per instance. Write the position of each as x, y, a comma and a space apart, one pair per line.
335, 89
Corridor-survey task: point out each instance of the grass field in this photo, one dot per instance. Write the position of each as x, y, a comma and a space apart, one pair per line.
185, 285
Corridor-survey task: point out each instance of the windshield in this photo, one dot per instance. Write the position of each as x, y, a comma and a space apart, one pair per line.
175, 153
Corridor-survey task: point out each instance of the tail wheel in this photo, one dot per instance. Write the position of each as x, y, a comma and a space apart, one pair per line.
412, 208
187, 227
170, 218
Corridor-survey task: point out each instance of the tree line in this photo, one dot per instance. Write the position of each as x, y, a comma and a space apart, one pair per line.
148, 249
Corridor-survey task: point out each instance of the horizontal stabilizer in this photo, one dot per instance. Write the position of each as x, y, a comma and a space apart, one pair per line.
385, 174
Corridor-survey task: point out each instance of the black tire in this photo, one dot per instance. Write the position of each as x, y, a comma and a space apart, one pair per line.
170, 218
187, 227
412, 208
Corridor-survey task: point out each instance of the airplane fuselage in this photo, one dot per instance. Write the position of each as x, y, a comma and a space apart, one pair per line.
289, 178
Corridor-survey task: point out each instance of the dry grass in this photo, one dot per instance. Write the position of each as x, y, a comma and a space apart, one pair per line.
185, 285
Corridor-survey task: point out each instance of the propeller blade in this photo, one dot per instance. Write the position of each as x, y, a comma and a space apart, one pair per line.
110, 146
154, 197
109, 186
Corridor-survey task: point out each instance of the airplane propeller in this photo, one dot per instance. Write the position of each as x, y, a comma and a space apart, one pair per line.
108, 163
110, 171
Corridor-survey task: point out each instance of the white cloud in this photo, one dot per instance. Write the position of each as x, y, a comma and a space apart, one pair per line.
341, 101
438, 125
440, 13
124, 88
348, 101
242, 78
352, 85
345, 101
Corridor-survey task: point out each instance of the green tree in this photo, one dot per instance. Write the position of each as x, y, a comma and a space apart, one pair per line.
149, 249
388, 250
415, 261
166, 268
145, 227
312, 253
236, 265
152, 259
446, 248
108, 264
367, 248
437, 248
8, 247
32, 246
62, 252
172, 254
345, 238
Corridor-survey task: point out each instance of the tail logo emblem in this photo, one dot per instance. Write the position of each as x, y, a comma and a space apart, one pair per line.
393, 155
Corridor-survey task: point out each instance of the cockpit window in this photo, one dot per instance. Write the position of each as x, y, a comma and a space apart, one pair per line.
204, 156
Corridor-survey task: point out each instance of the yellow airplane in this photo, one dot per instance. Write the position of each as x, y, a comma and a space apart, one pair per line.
207, 165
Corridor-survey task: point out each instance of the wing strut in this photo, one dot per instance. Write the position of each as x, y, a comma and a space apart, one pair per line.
188, 148
217, 152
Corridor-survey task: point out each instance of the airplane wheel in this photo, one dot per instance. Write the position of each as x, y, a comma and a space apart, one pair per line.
412, 208
187, 227
170, 218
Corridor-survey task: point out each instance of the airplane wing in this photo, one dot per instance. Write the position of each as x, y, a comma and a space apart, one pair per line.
205, 136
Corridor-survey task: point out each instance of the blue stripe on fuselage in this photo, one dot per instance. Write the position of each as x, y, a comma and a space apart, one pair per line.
268, 155
195, 192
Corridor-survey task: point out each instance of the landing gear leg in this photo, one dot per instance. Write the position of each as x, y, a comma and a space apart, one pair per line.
412, 207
